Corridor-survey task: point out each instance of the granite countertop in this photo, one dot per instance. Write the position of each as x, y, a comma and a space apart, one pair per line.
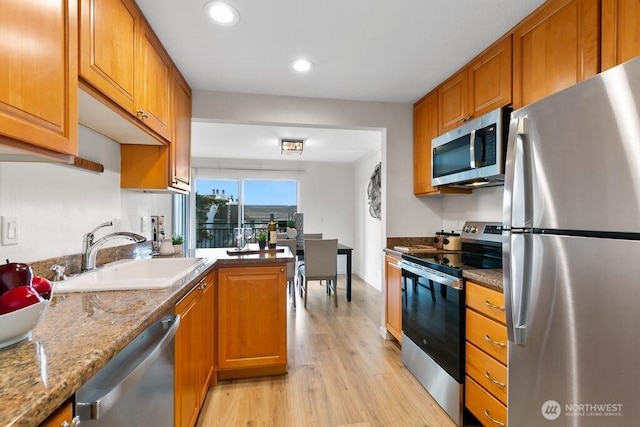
490, 278
81, 332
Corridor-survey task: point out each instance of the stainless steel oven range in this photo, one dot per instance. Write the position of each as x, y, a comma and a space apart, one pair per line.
433, 313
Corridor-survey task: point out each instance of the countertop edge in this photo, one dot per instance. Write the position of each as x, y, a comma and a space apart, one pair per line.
41, 404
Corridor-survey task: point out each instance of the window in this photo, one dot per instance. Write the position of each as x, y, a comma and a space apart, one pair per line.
222, 205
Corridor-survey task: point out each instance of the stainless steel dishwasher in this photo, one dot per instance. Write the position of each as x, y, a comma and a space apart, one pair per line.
135, 388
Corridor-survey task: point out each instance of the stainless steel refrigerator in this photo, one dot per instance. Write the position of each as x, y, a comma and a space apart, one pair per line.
571, 255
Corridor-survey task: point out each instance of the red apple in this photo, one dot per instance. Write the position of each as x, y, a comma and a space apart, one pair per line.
17, 298
42, 285
14, 274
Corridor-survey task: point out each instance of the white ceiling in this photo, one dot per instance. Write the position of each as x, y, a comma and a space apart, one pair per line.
366, 50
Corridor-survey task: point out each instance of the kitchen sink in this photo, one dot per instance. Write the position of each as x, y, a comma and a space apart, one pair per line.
130, 274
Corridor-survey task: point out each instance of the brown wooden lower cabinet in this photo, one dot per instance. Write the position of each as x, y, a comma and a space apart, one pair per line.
62, 415
393, 296
252, 321
194, 351
486, 408
486, 355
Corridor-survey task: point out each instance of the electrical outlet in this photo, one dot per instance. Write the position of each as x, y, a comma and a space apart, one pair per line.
9, 230
117, 224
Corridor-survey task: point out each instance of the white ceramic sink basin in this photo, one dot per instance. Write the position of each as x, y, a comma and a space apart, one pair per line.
130, 274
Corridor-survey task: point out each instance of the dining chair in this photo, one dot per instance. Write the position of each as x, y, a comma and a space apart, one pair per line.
321, 263
292, 244
312, 236
306, 236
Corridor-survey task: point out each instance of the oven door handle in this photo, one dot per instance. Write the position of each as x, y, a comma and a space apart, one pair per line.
451, 281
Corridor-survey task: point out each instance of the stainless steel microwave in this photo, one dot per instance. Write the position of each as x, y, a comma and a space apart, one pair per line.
473, 154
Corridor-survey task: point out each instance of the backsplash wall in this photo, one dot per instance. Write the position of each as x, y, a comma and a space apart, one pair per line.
56, 205
484, 204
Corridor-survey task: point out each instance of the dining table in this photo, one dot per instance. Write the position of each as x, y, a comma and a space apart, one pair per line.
342, 250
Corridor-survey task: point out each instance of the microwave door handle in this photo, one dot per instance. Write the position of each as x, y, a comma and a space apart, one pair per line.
472, 148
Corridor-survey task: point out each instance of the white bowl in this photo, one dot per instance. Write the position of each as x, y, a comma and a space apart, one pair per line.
18, 325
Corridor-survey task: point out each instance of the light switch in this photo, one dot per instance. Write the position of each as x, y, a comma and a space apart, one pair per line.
9, 230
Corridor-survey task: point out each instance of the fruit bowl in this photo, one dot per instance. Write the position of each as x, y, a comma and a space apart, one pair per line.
18, 325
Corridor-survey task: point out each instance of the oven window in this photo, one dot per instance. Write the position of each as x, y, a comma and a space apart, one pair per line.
452, 157
432, 317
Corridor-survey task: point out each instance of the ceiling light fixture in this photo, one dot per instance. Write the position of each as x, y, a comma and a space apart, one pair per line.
302, 65
222, 13
291, 146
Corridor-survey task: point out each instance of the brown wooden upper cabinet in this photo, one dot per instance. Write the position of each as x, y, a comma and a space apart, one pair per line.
181, 138
620, 31
39, 86
153, 91
121, 57
554, 48
482, 86
109, 29
425, 128
490, 78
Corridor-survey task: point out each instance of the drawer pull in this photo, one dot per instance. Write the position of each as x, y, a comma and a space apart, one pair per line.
497, 307
486, 413
496, 382
499, 344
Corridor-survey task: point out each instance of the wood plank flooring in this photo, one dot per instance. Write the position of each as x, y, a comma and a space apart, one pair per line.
341, 372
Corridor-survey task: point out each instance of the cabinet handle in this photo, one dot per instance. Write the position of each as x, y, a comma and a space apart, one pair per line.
496, 382
142, 114
75, 422
486, 413
488, 338
497, 307
465, 119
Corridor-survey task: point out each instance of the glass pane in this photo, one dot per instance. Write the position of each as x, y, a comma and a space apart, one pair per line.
216, 212
264, 197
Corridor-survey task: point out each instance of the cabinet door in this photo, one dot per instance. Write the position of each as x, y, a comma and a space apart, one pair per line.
153, 92
187, 356
252, 317
64, 414
39, 75
453, 101
207, 331
554, 48
181, 139
108, 35
490, 78
425, 128
393, 300
620, 31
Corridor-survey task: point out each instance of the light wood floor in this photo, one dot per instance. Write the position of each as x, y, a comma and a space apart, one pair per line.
341, 372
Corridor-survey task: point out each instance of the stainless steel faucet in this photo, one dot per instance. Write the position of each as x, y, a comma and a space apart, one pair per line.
90, 248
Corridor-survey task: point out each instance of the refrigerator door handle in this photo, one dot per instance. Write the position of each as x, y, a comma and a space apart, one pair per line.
515, 203
517, 277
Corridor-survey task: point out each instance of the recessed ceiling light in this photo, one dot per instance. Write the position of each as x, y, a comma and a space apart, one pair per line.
302, 65
222, 13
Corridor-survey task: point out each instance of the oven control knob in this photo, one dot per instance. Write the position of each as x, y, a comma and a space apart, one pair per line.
466, 229
473, 229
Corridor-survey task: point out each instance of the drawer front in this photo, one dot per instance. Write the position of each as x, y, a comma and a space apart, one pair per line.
486, 301
488, 335
487, 371
486, 408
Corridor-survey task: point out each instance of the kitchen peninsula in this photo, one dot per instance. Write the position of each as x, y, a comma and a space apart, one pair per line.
81, 332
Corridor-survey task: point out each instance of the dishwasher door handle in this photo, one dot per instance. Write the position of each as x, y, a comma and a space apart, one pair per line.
98, 406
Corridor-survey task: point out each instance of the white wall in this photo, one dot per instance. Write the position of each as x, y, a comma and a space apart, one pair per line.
55, 205
368, 229
402, 213
484, 204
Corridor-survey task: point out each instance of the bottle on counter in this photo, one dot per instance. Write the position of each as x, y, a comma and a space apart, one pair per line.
273, 233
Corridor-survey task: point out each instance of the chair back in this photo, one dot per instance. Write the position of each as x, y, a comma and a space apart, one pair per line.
312, 236
320, 258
